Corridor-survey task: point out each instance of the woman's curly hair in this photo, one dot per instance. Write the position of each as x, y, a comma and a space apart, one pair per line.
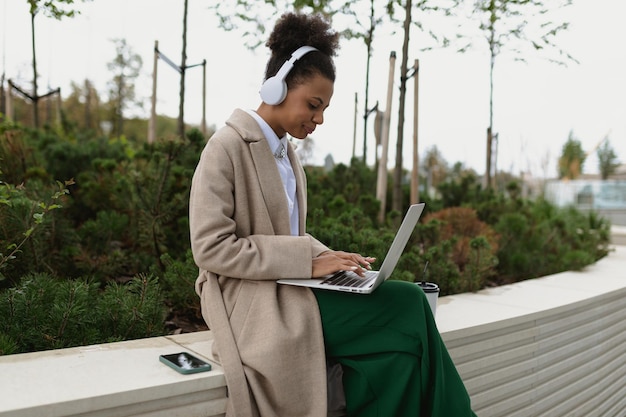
293, 30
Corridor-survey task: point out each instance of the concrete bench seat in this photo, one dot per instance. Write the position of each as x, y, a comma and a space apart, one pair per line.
113, 379
549, 346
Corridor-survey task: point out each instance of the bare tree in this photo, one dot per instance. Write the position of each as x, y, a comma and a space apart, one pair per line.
56, 9
423, 6
517, 27
126, 67
365, 30
396, 202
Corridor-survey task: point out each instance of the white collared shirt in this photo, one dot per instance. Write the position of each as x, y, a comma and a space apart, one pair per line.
284, 169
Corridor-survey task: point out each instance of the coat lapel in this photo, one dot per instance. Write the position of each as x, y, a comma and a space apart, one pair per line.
271, 186
266, 170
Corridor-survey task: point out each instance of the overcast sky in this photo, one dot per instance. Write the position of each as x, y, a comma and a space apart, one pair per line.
537, 104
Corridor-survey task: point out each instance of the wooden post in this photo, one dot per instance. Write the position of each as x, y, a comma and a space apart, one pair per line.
88, 98
415, 196
153, 116
203, 125
381, 188
494, 157
48, 106
487, 181
356, 103
3, 103
9, 93
58, 102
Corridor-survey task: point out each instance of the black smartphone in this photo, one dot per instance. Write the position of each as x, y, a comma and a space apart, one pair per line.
185, 363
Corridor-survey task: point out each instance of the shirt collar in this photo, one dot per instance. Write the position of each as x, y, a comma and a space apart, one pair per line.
272, 138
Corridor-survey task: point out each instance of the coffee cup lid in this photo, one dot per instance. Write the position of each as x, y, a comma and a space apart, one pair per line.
428, 286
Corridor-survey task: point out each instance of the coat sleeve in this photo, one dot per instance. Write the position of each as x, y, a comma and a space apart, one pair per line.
317, 247
230, 236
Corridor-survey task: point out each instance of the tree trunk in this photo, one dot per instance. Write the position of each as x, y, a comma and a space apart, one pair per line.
153, 100
493, 52
119, 115
183, 64
35, 96
366, 113
397, 177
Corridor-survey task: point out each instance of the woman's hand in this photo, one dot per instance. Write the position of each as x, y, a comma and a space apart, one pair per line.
332, 261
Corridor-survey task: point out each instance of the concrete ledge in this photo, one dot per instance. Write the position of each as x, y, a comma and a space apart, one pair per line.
114, 379
618, 235
552, 346
549, 346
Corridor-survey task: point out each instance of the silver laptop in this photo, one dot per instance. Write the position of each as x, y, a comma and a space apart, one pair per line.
350, 281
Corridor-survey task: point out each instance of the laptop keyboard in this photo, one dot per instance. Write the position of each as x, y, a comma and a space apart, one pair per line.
350, 279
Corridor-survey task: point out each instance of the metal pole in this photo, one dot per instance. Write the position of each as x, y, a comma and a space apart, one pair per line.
381, 188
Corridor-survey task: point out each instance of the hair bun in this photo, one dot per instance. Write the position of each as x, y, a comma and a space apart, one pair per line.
293, 30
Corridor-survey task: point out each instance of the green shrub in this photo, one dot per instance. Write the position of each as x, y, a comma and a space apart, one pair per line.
132, 310
44, 312
541, 239
17, 155
126, 219
29, 227
178, 283
440, 269
8, 346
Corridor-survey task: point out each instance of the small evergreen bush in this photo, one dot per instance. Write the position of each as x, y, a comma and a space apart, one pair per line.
178, 283
541, 239
44, 312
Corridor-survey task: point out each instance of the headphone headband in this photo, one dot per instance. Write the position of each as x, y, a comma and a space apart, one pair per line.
301, 51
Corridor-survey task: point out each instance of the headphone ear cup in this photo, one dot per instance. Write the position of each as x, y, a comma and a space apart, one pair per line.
273, 91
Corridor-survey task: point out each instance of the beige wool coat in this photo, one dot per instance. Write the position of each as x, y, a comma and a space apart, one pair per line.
268, 337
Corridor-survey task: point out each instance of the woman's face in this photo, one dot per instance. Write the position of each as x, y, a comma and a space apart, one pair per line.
303, 108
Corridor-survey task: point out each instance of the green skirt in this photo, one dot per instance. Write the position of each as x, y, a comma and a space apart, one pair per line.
393, 358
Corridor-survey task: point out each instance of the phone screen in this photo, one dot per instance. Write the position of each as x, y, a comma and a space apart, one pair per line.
185, 363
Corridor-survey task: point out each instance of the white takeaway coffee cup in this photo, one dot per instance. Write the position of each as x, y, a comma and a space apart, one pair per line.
432, 293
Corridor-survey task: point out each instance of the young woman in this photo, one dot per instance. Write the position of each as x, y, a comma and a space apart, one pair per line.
247, 221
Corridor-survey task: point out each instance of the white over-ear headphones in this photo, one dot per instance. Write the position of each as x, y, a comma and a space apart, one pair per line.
274, 89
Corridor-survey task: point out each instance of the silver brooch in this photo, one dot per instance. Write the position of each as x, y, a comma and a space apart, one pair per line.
280, 152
